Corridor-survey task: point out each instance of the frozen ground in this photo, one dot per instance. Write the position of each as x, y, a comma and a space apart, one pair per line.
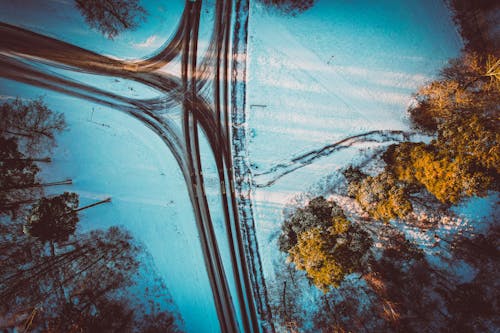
339, 69
112, 154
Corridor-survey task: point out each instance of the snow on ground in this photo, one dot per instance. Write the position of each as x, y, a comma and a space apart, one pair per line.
112, 154
107, 153
339, 69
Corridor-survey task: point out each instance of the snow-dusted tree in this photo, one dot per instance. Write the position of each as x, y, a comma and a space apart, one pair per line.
383, 196
317, 213
320, 240
111, 17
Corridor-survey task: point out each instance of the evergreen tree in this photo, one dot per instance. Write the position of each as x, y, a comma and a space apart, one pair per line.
383, 196
53, 219
320, 240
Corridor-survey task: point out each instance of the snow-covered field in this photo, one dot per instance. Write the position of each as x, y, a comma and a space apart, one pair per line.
107, 153
341, 68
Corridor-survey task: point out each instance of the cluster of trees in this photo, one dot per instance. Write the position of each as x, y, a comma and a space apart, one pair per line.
395, 288
461, 110
53, 278
403, 292
393, 284
27, 133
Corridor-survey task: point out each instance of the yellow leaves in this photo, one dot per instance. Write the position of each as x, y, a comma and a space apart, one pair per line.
471, 83
313, 254
493, 70
340, 225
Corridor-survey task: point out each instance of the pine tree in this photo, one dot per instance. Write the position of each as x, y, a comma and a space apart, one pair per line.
53, 219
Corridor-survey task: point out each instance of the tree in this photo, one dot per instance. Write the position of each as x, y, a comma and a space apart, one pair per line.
320, 240
95, 270
16, 175
290, 6
468, 85
32, 122
318, 213
328, 257
107, 316
463, 160
53, 219
477, 28
111, 17
475, 138
383, 196
312, 254
91, 265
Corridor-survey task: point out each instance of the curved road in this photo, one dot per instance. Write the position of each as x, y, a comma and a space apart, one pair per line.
202, 90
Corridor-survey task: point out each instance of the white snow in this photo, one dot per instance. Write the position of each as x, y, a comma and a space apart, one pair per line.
339, 69
115, 155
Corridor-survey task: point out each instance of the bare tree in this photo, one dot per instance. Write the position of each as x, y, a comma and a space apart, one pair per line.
32, 123
111, 17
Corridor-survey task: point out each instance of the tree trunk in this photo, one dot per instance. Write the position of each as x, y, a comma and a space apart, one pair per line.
56, 274
41, 159
94, 204
38, 185
284, 301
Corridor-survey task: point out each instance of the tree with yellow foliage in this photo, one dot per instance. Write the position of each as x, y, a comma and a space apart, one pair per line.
470, 85
329, 252
462, 109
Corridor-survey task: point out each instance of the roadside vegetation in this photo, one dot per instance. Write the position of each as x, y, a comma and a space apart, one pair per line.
372, 275
292, 7
54, 278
